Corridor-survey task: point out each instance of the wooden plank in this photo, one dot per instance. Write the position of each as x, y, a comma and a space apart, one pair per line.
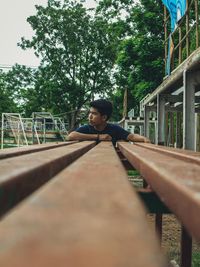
87, 216
185, 155
175, 181
18, 151
22, 175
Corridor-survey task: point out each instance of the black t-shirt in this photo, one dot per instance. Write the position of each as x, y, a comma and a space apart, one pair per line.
115, 131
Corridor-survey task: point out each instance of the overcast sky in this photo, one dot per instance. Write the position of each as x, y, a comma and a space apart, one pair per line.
13, 26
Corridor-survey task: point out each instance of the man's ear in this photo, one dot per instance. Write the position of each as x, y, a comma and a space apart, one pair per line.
104, 117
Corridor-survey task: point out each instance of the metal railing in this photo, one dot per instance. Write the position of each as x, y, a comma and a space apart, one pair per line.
185, 37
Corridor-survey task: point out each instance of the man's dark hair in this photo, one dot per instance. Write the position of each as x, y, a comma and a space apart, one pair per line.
103, 106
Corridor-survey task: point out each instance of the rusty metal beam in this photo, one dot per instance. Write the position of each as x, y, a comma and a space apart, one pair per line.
88, 215
18, 151
176, 182
24, 174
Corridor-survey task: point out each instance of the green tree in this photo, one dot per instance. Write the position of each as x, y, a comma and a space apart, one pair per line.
140, 53
7, 103
77, 52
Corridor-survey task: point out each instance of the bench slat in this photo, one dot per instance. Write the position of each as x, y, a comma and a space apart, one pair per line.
87, 216
177, 182
22, 175
186, 155
13, 152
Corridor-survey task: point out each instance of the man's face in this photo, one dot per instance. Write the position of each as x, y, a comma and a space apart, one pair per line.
95, 118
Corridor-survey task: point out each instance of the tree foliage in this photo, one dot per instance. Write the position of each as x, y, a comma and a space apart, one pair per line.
77, 54
7, 103
140, 53
85, 54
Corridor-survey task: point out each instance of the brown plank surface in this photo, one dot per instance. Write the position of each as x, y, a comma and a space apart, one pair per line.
18, 151
87, 216
22, 175
185, 155
177, 182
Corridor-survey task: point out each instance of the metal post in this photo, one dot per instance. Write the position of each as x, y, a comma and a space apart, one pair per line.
186, 249
180, 46
187, 29
158, 225
161, 119
2, 130
178, 130
171, 117
188, 111
197, 23
33, 128
18, 135
44, 129
198, 133
165, 30
146, 121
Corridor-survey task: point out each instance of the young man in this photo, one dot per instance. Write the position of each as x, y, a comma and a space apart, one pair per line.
100, 130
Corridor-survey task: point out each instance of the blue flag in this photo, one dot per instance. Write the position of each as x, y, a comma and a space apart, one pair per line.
176, 10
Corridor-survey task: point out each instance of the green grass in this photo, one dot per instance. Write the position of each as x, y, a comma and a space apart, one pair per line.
196, 259
133, 173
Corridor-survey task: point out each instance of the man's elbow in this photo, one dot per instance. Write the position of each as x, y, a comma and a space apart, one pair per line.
72, 136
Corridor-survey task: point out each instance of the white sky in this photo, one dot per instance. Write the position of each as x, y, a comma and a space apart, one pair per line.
13, 26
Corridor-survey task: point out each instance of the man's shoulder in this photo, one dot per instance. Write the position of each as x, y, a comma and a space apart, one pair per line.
114, 126
85, 127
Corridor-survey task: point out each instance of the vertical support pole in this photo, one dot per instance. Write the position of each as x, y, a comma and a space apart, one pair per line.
180, 46
141, 118
155, 131
198, 133
165, 30
2, 130
161, 119
44, 131
188, 111
33, 128
158, 225
186, 249
178, 130
125, 103
141, 129
171, 117
197, 23
146, 121
187, 29
18, 135
125, 124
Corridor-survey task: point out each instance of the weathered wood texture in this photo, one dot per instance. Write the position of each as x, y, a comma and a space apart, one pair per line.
19, 176
87, 216
13, 152
174, 176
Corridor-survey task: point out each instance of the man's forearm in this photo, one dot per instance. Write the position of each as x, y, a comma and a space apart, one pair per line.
138, 138
76, 136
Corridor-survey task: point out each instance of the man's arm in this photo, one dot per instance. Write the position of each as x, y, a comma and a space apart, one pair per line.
76, 136
137, 138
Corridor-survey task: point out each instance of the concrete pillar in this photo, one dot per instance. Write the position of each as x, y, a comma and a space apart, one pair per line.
141, 129
178, 130
197, 132
171, 128
188, 111
146, 121
161, 120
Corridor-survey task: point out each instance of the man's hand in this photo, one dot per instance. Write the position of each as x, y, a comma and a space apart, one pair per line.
105, 137
146, 140
138, 138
